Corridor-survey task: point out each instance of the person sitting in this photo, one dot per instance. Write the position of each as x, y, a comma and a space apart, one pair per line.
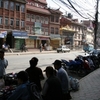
21, 92
52, 89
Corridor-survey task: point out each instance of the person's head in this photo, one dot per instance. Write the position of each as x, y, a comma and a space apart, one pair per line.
1, 54
33, 61
22, 77
57, 64
49, 71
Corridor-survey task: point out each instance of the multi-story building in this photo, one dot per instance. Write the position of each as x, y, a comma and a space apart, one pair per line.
37, 23
12, 22
72, 32
54, 28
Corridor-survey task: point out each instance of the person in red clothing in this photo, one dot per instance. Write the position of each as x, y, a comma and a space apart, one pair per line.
35, 73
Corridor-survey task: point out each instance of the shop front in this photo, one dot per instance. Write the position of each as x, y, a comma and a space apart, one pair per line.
35, 40
16, 38
55, 40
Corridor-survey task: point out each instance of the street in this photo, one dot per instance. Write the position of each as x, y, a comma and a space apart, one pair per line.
21, 62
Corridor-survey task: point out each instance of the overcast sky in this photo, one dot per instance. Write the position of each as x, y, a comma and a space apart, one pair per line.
86, 8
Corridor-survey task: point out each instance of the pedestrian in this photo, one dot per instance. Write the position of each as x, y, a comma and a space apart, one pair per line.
35, 73
64, 78
21, 92
3, 66
52, 89
41, 47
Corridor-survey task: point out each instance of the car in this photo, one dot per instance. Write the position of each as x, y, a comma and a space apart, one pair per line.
62, 49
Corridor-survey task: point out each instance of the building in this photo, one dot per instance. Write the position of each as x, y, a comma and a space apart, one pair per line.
72, 32
54, 27
37, 23
12, 22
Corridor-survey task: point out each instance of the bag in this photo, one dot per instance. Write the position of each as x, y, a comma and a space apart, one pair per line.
34, 91
74, 83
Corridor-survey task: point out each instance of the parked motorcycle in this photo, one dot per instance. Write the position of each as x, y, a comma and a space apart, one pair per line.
74, 66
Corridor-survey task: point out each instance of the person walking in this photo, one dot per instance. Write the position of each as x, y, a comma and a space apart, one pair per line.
21, 92
41, 47
52, 87
64, 78
3, 66
35, 73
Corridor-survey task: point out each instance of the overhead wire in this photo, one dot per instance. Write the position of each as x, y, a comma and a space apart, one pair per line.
73, 8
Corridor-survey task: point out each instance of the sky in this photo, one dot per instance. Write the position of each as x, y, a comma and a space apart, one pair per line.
85, 8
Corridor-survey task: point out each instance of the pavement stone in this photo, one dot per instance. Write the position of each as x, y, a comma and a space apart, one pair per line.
89, 85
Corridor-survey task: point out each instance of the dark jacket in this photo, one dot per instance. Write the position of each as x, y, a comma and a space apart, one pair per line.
54, 90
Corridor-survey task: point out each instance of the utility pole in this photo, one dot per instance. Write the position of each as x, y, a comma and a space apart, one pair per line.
96, 26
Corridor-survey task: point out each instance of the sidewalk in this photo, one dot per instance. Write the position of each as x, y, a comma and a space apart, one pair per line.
89, 87
30, 51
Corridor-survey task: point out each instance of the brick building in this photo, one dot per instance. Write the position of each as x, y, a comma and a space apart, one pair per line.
37, 23
12, 22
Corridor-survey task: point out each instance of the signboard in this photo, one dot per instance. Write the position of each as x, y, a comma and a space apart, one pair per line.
37, 28
3, 34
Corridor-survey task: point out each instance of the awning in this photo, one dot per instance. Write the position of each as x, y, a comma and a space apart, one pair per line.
55, 36
20, 34
3, 34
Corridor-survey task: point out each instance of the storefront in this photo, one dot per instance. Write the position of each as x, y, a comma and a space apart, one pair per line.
55, 40
16, 38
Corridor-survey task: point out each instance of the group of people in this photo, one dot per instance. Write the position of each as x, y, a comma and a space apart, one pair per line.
56, 86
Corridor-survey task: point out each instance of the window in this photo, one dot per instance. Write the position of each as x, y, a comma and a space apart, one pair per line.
22, 23
17, 22
11, 21
1, 3
46, 20
28, 28
52, 18
56, 31
28, 15
22, 8
42, 19
11, 5
0, 20
52, 30
37, 18
57, 19
17, 7
32, 16
6, 21
6, 4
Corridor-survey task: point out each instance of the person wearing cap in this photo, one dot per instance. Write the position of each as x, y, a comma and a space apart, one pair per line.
21, 92
52, 87
3, 66
35, 73
64, 78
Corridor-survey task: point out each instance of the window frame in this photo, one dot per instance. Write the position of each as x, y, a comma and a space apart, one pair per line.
11, 6
17, 7
1, 20
12, 23
6, 4
6, 20
17, 22
1, 3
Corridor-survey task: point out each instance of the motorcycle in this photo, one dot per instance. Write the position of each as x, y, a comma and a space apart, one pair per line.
74, 66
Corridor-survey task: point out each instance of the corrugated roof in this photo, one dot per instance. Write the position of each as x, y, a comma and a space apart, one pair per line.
36, 9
